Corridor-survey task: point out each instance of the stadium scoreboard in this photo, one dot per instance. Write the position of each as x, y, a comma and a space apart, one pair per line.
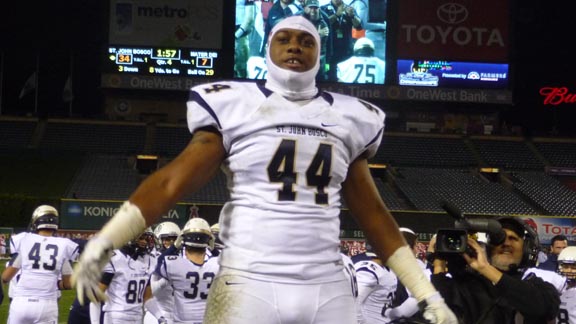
164, 61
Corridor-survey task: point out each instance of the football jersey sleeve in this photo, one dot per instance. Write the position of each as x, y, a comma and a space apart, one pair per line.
225, 106
365, 122
15, 241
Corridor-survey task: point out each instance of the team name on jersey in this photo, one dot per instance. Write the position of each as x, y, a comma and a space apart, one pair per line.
297, 130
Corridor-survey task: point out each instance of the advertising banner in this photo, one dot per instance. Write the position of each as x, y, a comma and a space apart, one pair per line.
454, 30
548, 227
167, 23
93, 214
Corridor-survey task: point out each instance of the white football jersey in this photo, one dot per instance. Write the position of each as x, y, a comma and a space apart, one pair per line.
191, 283
376, 289
556, 279
567, 314
42, 261
361, 69
285, 165
126, 290
256, 68
164, 298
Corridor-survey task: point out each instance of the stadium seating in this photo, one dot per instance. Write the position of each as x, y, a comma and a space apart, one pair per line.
17, 132
422, 170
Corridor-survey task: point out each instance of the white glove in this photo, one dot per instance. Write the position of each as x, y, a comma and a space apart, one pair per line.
436, 311
88, 271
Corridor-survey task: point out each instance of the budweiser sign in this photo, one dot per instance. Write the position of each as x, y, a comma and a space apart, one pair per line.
557, 95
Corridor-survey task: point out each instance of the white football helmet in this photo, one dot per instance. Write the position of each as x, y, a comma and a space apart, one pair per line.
166, 231
216, 232
197, 233
142, 245
44, 217
364, 47
567, 264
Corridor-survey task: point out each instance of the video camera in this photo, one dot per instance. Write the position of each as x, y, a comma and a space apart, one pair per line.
454, 242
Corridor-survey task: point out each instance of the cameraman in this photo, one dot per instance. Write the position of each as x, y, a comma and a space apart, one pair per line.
490, 289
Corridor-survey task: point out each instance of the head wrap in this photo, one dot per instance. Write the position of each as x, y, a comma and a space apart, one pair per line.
291, 84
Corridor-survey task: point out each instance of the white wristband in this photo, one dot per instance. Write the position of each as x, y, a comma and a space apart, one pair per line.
409, 272
127, 224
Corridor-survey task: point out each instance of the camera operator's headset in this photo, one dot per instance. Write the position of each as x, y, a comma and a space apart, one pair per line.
531, 241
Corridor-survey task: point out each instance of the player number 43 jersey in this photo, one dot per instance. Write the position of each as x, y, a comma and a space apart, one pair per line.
42, 261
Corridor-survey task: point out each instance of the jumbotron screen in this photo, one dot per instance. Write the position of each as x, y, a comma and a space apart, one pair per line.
353, 50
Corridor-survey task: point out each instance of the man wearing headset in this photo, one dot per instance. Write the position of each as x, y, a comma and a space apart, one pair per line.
491, 288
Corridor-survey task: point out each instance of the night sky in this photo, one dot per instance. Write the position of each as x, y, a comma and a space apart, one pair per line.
542, 33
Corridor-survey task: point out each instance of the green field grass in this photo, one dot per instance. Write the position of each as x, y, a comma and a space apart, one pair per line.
63, 305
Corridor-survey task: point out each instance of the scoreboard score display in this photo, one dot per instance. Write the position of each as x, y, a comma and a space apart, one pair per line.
164, 61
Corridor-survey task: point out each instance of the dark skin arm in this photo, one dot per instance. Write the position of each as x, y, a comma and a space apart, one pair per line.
369, 210
187, 173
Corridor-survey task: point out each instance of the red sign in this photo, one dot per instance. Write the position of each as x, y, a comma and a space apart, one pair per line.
454, 30
557, 95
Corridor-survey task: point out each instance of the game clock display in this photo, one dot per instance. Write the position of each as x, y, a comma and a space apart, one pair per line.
164, 61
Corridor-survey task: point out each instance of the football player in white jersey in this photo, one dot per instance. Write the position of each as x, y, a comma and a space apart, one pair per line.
191, 272
363, 66
218, 245
166, 234
376, 287
43, 264
291, 153
256, 67
567, 268
125, 280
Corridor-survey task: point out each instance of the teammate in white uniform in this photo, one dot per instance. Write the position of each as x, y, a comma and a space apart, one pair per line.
218, 245
363, 66
191, 272
567, 268
40, 260
376, 287
166, 234
126, 282
290, 152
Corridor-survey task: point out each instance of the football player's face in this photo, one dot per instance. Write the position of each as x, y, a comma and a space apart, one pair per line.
508, 253
294, 49
145, 240
167, 241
